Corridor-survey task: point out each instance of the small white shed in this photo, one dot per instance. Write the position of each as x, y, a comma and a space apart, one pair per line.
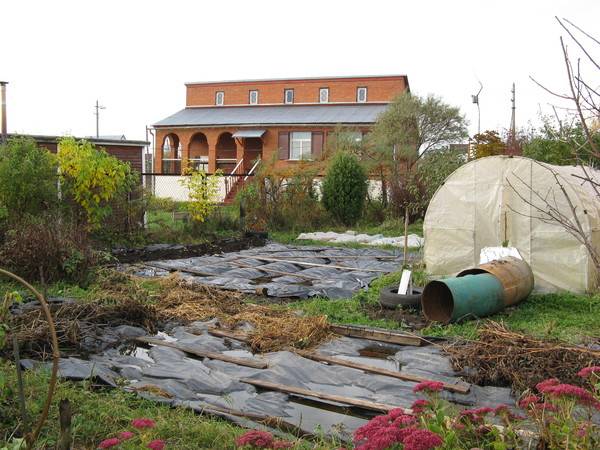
496, 201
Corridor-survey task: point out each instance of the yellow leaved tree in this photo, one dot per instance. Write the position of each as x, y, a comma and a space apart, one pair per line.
92, 178
203, 194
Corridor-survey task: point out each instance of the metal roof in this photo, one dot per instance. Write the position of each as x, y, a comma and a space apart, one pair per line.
330, 114
99, 141
248, 134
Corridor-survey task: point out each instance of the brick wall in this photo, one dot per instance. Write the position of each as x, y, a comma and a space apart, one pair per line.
379, 89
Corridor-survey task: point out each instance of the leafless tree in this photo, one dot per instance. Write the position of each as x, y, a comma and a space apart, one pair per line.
583, 106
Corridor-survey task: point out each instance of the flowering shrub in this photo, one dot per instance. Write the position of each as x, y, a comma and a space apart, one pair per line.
562, 413
140, 439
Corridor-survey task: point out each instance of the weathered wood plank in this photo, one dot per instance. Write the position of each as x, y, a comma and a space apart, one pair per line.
219, 332
378, 335
375, 406
205, 354
460, 387
300, 263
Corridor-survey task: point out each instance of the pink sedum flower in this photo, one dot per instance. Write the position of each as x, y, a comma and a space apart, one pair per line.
544, 385
587, 371
142, 423
422, 440
125, 435
419, 406
429, 386
528, 400
156, 444
108, 443
582, 395
255, 438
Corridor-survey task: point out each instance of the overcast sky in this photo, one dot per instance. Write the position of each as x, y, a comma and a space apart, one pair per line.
134, 56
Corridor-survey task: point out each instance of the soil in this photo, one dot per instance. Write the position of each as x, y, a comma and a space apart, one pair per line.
408, 318
175, 251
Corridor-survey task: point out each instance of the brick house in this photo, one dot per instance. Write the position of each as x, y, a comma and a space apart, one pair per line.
233, 125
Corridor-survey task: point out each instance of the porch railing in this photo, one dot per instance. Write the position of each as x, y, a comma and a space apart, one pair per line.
236, 175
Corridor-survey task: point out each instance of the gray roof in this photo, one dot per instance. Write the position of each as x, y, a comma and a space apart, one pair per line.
330, 114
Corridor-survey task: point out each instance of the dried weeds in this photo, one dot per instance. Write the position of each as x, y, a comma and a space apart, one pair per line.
273, 329
506, 358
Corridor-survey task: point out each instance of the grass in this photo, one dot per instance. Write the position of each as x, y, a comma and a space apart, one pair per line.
567, 317
102, 413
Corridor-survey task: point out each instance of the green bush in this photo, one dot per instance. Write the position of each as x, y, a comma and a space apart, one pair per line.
345, 188
28, 178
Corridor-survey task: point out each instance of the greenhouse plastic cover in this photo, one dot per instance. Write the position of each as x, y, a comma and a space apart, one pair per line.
499, 201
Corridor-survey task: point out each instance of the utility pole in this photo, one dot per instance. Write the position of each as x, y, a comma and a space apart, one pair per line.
512, 132
3, 96
97, 113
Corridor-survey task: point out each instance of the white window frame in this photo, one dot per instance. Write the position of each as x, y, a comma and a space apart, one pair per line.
302, 140
253, 92
358, 91
324, 90
285, 96
219, 95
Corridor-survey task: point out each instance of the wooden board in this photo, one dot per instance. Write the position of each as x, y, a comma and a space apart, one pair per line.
374, 406
460, 387
242, 337
300, 263
157, 265
256, 364
378, 335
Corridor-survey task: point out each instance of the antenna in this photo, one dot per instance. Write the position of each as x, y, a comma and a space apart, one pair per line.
475, 99
97, 113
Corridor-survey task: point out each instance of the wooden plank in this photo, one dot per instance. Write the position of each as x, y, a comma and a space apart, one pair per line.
300, 263
320, 395
277, 272
378, 335
205, 354
157, 265
460, 387
399, 257
242, 337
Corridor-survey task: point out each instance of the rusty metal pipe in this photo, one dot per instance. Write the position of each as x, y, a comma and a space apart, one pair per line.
514, 274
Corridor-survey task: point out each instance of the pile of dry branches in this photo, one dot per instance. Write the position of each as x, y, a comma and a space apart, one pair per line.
273, 329
505, 358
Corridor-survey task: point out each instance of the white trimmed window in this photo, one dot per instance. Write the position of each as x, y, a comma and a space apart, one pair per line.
300, 145
219, 98
253, 97
324, 95
361, 94
288, 96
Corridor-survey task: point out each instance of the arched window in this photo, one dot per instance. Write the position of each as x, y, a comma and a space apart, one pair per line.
171, 154
226, 152
199, 152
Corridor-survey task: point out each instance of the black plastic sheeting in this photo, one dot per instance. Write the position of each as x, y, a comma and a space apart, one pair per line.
201, 383
226, 272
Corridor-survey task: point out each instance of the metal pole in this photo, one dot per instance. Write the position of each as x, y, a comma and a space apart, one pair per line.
3, 95
98, 108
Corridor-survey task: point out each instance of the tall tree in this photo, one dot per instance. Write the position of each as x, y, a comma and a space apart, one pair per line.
407, 130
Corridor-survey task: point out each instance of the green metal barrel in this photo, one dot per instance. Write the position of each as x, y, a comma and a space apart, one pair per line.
451, 299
